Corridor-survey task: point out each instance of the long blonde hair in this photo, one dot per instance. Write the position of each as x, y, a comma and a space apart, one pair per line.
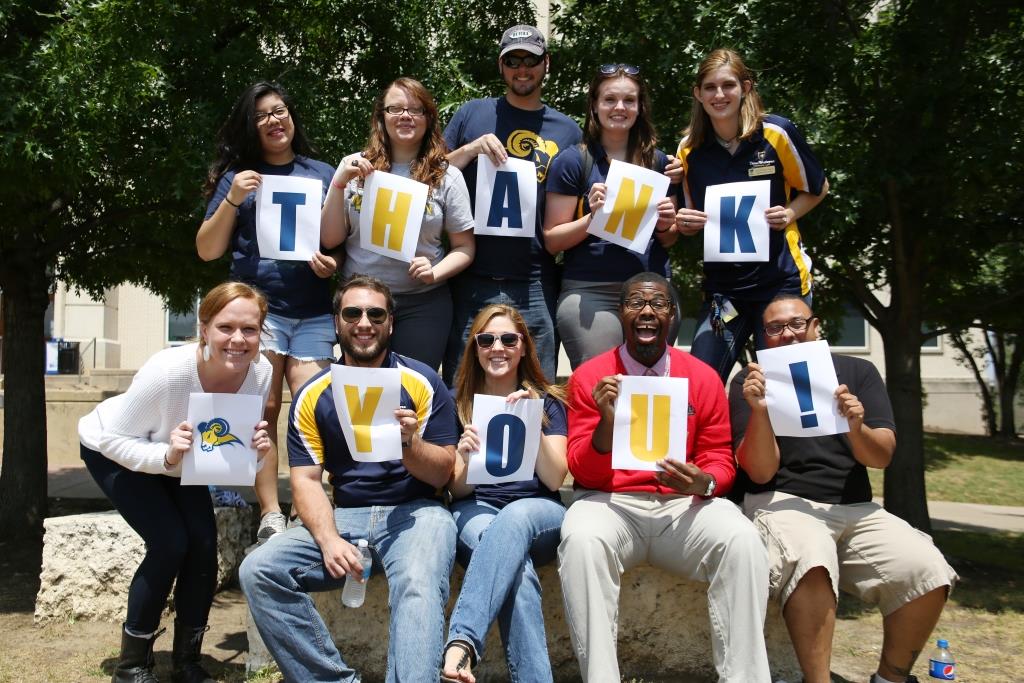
751, 108
469, 380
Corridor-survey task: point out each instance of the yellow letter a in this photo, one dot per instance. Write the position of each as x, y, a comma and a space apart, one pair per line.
362, 414
384, 217
653, 429
629, 208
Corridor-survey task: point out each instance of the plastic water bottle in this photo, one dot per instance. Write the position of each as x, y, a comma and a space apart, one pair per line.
941, 665
354, 592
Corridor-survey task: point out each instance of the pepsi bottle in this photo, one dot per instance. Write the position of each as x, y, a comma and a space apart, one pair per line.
941, 665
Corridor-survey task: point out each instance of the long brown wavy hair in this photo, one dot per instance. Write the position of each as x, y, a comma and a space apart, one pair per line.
431, 163
751, 108
643, 138
469, 380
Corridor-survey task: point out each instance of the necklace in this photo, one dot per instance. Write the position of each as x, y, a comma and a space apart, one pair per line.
727, 144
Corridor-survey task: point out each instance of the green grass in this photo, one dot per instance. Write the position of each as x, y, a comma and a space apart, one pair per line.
970, 469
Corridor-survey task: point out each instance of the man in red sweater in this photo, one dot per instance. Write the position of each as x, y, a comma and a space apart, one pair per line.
672, 518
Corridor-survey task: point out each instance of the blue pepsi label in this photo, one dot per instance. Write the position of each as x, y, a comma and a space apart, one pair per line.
943, 671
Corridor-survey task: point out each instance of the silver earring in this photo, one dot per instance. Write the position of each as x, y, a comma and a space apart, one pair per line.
206, 352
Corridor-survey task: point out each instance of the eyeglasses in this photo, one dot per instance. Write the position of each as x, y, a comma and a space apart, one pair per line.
509, 340
353, 314
659, 305
796, 326
515, 61
280, 113
609, 69
395, 110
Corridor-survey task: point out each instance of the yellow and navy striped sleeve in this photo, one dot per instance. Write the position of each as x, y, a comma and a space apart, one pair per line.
305, 445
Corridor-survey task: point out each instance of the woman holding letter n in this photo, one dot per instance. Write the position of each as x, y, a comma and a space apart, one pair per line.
133, 445
405, 140
504, 529
618, 126
263, 137
731, 139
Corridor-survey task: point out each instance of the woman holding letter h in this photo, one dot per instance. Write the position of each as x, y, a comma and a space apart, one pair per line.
264, 137
133, 445
505, 529
731, 139
618, 126
405, 140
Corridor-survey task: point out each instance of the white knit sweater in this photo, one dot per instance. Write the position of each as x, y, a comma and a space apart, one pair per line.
134, 428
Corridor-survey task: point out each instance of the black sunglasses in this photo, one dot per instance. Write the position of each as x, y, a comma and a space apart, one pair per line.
509, 340
529, 61
609, 69
353, 314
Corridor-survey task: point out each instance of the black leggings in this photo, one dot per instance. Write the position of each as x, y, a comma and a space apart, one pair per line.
180, 532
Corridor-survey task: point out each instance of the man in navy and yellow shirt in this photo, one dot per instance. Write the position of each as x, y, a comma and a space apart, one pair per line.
392, 504
510, 270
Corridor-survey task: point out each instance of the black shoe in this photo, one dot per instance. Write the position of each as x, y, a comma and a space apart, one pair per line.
135, 664
185, 667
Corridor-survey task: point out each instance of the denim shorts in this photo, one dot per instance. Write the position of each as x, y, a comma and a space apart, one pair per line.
304, 339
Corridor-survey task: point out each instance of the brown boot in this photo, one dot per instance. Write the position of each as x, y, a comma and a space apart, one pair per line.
135, 664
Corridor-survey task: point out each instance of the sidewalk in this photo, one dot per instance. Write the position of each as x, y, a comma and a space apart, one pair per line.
75, 482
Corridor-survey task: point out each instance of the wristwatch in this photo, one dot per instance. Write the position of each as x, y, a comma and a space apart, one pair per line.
710, 491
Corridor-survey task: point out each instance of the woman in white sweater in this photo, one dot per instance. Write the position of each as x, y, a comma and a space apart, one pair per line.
133, 445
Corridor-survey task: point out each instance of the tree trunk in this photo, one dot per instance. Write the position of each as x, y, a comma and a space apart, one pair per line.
905, 494
986, 391
1009, 384
23, 472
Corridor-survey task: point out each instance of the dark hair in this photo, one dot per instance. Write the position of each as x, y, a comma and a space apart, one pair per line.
643, 138
431, 160
238, 140
469, 380
360, 281
645, 277
789, 296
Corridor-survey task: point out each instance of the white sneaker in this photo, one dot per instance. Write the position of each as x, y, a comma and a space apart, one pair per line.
271, 523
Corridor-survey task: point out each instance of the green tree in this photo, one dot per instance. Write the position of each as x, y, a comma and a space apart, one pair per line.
108, 116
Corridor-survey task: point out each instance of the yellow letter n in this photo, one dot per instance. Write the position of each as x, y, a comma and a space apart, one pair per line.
362, 414
391, 210
648, 432
629, 208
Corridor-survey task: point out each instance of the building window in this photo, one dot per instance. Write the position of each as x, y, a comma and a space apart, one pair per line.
183, 327
853, 329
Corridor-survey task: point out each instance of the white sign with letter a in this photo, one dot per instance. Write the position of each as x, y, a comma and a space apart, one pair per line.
737, 230
509, 439
650, 422
366, 400
630, 209
800, 386
222, 429
506, 198
288, 217
391, 215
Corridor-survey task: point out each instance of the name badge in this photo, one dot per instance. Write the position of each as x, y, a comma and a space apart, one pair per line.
761, 170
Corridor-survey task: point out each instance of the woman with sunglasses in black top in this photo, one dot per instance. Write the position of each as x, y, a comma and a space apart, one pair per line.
505, 530
618, 126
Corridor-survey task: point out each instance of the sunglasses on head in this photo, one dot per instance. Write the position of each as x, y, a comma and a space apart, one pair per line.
485, 340
353, 314
529, 61
609, 69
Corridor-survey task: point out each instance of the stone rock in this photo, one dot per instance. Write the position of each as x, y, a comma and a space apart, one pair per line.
664, 631
89, 561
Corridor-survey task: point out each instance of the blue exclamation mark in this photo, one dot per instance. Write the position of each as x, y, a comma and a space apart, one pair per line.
802, 385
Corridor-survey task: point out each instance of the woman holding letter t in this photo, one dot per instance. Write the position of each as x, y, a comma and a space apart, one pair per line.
618, 127
264, 137
504, 529
405, 140
133, 445
731, 139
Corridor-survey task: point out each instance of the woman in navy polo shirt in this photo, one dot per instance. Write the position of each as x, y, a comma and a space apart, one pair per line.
264, 136
618, 126
505, 530
731, 139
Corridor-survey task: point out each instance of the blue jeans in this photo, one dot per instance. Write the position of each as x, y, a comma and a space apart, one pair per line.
534, 299
720, 351
414, 544
501, 549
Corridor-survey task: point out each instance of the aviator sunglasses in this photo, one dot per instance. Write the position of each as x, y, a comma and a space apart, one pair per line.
628, 69
485, 340
353, 314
